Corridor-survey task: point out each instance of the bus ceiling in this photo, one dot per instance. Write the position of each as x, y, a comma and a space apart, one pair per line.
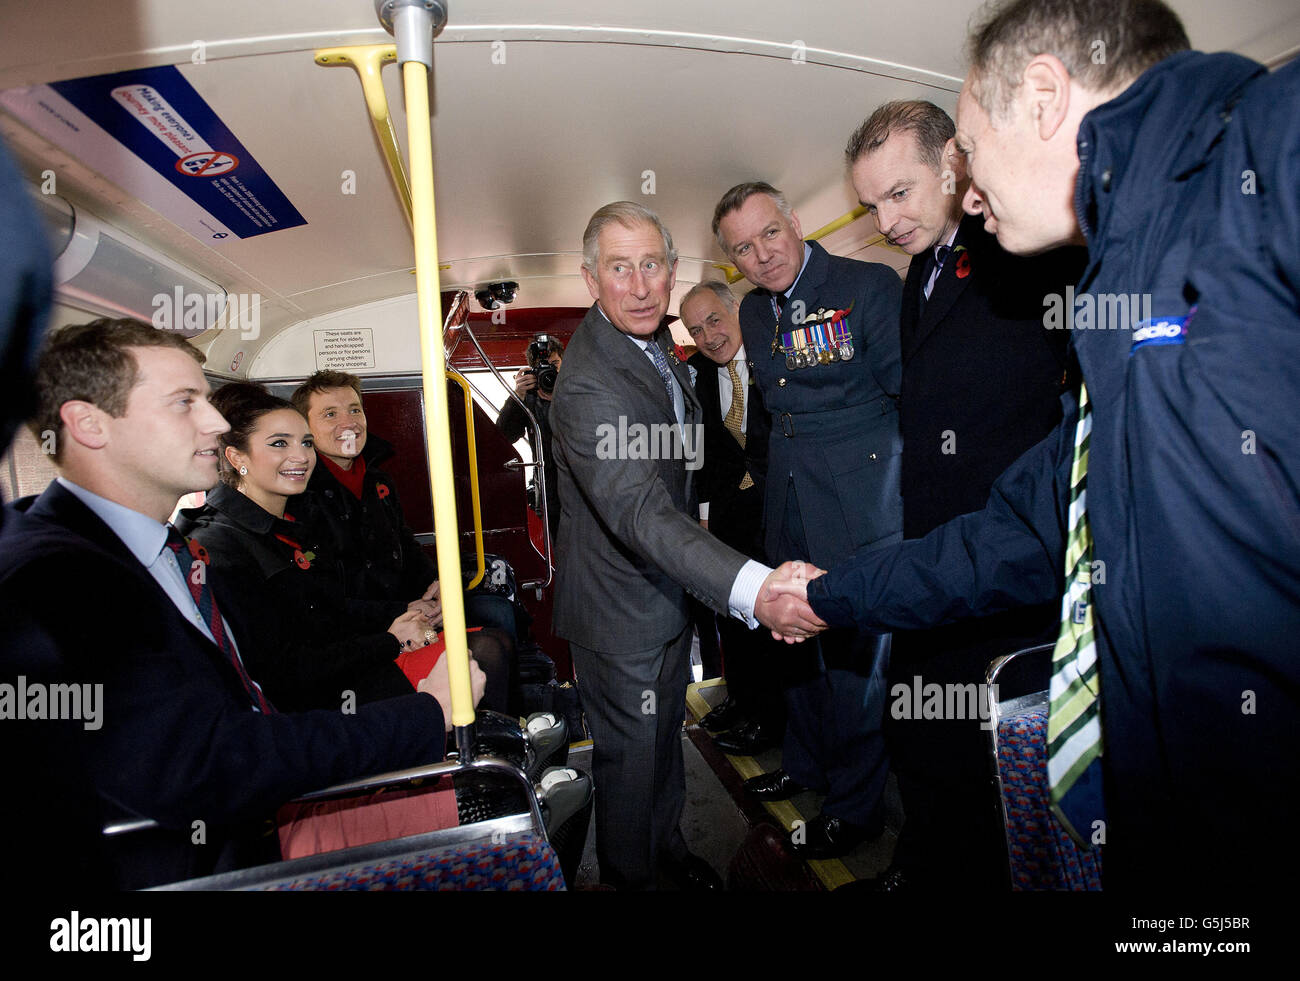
540, 115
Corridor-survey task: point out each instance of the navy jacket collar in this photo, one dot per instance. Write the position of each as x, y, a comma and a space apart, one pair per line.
1164, 111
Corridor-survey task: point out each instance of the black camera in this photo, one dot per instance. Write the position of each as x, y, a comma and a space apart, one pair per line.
546, 375
539, 353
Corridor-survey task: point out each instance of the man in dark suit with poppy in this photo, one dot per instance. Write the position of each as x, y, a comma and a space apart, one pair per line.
981, 382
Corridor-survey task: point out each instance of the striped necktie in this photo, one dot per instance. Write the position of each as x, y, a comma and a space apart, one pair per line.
735, 416
207, 604
1074, 744
661, 365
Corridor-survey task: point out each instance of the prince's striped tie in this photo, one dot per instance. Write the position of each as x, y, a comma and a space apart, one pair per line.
1074, 722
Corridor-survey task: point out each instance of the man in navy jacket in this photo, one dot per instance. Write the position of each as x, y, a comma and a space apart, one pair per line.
1177, 170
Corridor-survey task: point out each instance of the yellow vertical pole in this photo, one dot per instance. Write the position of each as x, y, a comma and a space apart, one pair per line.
415, 77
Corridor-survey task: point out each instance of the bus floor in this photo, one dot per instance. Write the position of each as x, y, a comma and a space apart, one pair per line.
746, 841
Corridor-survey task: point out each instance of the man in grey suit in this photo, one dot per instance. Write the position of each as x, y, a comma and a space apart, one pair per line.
627, 433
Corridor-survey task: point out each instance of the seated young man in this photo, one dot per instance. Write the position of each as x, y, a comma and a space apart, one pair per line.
95, 574
356, 502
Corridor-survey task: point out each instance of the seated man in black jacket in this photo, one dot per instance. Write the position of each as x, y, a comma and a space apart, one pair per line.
186, 738
355, 504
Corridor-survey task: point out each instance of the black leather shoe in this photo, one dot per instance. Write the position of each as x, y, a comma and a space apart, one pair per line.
893, 879
723, 717
777, 785
746, 739
831, 837
690, 873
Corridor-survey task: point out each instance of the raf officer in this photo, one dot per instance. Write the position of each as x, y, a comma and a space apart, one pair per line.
821, 333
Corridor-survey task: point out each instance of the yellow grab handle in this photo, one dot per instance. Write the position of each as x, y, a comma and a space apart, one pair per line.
369, 61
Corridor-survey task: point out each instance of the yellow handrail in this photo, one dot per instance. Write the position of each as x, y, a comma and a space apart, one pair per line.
369, 61
472, 452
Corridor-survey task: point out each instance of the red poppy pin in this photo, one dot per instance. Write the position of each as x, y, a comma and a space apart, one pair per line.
679, 352
382, 490
301, 559
197, 550
963, 262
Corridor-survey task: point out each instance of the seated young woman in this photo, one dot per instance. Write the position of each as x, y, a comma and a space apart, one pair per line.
328, 644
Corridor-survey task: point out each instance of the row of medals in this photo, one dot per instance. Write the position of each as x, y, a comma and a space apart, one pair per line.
813, 352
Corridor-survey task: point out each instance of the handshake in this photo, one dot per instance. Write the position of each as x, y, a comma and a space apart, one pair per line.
782, 604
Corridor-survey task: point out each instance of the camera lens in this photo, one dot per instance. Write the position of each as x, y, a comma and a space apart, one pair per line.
546, 375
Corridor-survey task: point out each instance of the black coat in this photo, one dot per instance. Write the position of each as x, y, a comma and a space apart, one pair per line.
982, 375
179, 740
735, 515
322, 642
380, 557
982, 383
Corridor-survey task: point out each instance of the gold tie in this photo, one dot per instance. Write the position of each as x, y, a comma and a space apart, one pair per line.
735, 415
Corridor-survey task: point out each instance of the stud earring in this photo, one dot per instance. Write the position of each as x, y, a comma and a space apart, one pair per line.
243, 471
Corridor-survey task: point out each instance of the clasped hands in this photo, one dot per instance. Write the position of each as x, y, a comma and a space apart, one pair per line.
782, 604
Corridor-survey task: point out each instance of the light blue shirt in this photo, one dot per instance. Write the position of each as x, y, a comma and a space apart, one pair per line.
146, 539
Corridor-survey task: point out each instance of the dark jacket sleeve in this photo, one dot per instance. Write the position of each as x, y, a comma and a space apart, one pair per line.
175, 744
1010, 554
512, 421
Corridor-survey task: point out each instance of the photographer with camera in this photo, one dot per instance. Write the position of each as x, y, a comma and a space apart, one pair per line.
534, 386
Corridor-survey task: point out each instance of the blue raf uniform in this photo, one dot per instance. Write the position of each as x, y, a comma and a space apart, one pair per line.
833, 488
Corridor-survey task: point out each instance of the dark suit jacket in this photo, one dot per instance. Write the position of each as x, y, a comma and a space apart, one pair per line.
180, 741
982, 378
843, 453
630, 546
735, 515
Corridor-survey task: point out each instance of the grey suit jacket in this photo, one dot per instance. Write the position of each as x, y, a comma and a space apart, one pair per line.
628, 548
